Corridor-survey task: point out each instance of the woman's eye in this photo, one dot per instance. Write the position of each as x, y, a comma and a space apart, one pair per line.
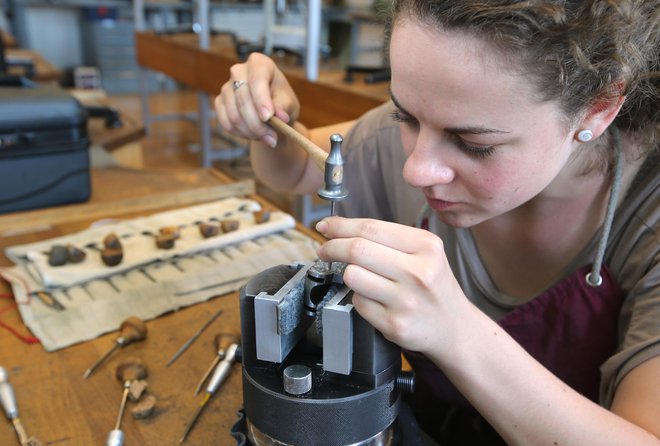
397, 116
475, 151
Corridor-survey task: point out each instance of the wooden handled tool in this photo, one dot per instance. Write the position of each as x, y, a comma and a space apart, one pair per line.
219, 376
133, 329
126, 373
8, 401
317, 154
222, 342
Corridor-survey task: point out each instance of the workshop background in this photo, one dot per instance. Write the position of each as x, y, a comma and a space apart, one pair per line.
93, 46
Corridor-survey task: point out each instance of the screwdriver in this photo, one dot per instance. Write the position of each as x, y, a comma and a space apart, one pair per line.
221, 342
219, 376
8, 401
126, 373
131, 330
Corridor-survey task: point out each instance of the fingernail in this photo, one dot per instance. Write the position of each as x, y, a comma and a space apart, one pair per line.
270, 140
265, 114
322, 226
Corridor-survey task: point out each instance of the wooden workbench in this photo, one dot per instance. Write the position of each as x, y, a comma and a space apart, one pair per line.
56, 404
44, 71
327, 101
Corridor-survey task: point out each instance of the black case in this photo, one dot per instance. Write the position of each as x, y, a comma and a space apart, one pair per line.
44, 148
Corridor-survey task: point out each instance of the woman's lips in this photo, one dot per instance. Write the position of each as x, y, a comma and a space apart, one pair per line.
439, 205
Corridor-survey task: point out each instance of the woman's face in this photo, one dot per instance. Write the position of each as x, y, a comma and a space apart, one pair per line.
478, 142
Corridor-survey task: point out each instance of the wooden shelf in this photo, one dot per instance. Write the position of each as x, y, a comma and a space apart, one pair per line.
326, 101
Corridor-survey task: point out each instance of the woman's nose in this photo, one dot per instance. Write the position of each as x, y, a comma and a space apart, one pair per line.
428, 165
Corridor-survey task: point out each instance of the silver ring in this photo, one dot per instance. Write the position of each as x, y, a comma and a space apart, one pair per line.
237, 84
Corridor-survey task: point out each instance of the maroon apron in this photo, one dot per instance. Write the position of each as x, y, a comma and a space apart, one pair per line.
571, 329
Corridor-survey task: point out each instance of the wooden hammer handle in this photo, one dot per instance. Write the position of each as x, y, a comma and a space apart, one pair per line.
317, 154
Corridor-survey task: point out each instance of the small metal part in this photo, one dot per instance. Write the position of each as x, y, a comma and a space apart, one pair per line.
405, 381
122, 407
208, 372
193, 338
116, 438
297, 379
194, 418
317, 282
7, 397
334, 172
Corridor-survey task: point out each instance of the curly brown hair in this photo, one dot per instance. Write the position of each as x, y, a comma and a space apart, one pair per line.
576, 51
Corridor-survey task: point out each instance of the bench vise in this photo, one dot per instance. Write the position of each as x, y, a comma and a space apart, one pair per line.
314, 371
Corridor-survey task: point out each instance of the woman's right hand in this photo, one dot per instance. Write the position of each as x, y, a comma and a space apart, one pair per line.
263, 92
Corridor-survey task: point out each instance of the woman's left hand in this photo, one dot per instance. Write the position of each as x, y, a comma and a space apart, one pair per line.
401, 279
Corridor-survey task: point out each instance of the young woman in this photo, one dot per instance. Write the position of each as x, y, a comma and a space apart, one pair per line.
505, 210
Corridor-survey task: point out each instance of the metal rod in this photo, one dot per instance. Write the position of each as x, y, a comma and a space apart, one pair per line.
193, 338
20, 431
312, 52
195, 417
122, 407
215, 362
98, 362
220, 374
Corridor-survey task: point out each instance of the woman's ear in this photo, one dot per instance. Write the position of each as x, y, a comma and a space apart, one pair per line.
601, 113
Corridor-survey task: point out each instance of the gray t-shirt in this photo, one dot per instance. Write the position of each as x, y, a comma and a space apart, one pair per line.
373, 176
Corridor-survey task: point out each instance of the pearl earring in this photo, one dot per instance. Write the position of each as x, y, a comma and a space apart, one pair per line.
585, 135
